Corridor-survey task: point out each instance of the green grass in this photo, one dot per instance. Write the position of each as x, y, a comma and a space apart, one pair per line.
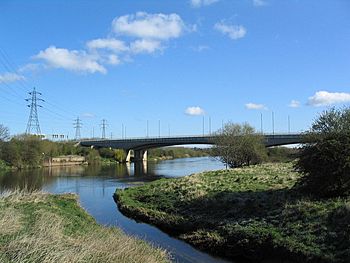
254, 213
38, 227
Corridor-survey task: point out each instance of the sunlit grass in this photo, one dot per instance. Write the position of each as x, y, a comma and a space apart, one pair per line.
38, 227
254, 212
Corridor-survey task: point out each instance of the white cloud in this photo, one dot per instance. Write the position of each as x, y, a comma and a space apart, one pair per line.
145, 46
254, 106
233, 31
294, 104
194, 111
200, 3
71, 60
10, 77
259, 2
107, 43
32, 67
137, 33
113, 59
325, 98
149, 26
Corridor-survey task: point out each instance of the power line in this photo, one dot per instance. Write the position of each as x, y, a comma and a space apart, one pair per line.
11, 67
33, 126
77, 126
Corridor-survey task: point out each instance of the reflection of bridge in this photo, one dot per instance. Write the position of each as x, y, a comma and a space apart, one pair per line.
140, 145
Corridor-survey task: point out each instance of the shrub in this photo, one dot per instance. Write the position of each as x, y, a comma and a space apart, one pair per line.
325, 157
239, 145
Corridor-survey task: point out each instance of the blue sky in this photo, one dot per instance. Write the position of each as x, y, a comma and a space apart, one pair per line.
130, 62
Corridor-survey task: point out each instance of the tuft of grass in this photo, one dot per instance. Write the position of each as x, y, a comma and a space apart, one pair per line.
254, 212
38, 227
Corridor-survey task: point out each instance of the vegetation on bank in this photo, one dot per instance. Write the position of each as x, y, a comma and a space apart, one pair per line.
38, 227
254, 213
176, 152
31, 151
4, 166
325, 157
28, 151
238, 145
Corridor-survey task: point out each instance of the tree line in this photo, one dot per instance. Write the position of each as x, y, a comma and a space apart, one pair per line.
323, 159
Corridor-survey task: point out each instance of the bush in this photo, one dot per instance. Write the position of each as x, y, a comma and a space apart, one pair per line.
325, 157
239, 145
120, 155
106, 153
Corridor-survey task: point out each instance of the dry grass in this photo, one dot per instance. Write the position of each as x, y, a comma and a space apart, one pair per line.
10, 221
45, 229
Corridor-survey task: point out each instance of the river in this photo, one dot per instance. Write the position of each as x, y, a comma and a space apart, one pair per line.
96, 185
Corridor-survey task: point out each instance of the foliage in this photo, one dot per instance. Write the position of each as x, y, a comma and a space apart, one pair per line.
239, 145
106, 153
282, 154
176, 152
30, 151
37, 227
93, 156
119, 155
3, 166
252, 212
325, 158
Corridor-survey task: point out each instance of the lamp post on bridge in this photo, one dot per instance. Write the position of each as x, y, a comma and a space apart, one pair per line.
159, 128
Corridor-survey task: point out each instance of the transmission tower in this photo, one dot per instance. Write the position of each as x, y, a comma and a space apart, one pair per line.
33, 126
104, 126
77, 125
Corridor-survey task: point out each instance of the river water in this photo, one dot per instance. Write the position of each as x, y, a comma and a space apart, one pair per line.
96, 185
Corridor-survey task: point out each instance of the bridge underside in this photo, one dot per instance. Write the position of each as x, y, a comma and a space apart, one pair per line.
140, 146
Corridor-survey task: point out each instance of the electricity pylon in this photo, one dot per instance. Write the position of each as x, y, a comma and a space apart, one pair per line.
77, 125
33, 126
103, 126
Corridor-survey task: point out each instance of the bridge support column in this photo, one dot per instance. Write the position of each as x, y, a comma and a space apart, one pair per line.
140, 155
128, 156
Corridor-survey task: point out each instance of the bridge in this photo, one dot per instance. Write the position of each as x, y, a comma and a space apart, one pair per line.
140, 145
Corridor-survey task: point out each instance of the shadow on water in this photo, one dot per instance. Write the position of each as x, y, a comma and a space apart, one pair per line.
96, 185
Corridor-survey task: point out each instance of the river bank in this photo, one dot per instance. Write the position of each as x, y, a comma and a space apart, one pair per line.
39, 227
254, 213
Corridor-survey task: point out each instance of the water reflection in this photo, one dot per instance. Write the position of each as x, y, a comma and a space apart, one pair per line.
96, 185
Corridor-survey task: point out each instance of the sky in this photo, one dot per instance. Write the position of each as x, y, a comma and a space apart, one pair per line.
173, 63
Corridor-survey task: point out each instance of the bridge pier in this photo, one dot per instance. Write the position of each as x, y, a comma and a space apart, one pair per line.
128, 156
140, 155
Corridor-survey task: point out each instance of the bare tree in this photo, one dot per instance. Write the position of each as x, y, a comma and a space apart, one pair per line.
239, 145
4, 133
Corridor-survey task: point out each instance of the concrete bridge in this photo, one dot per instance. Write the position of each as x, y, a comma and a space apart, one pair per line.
140, 145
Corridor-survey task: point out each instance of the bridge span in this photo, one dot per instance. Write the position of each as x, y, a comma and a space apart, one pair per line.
140, 145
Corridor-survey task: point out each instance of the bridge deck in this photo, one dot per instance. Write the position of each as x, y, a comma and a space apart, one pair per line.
148, 143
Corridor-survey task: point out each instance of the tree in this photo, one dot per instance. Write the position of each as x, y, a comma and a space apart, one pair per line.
4, 133
239, 145
120, 155
325, 157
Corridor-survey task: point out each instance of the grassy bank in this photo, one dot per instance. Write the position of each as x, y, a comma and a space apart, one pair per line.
39, 227
252, 213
